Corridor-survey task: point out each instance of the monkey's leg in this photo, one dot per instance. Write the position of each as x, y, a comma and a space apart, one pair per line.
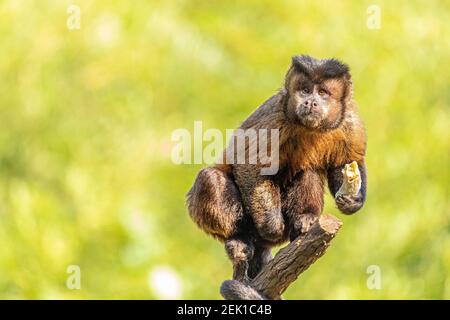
214, 203
303, 202
261, 256
248, 259
261, 197
234, 290
240, 250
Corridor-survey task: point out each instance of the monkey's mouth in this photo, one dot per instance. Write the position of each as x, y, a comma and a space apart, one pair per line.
309, 118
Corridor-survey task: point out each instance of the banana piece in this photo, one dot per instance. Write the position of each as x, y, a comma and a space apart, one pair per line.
352, 180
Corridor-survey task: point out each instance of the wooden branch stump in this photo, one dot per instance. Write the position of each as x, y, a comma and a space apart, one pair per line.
287, 265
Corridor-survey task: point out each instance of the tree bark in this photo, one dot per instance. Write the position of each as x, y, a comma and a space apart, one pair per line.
287, 265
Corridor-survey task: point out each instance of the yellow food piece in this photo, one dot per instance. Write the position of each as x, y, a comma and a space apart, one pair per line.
351, 171
352, 180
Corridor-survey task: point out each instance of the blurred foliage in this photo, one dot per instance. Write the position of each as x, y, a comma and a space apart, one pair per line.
86, 117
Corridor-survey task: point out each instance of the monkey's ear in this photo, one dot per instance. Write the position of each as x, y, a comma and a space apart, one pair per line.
303, 64
348, 87
288, 77
300, 64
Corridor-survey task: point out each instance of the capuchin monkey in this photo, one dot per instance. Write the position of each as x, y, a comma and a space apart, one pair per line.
319, 133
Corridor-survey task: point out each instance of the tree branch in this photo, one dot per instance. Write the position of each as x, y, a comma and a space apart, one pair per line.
287, 265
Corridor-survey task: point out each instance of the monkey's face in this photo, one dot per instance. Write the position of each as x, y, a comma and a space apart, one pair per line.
317, 91
315, 105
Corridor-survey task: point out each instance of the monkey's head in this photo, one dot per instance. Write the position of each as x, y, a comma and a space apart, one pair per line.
317, 92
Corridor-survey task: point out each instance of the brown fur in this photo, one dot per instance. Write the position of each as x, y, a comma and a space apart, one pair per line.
250, 212
216, 194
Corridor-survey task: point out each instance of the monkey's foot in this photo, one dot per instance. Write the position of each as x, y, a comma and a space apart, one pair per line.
239, 250
240, 253
302, 224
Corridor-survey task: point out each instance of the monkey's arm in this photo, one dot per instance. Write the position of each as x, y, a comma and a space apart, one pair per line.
262, 200
347, 203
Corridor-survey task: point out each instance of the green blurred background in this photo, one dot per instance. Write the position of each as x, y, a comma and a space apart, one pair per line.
86, 176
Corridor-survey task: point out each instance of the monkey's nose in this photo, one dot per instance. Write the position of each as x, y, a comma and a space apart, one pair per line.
310, 104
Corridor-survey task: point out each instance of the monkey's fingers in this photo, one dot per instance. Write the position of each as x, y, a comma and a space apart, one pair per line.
349, 204
344, 199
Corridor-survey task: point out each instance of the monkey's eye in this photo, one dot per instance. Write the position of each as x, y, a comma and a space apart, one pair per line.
323, 92
306, 90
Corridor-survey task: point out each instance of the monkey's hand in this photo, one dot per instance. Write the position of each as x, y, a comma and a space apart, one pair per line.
270, 225
348, 198
349, 204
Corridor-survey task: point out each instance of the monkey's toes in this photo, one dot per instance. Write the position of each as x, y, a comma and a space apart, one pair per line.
303, 224
239, 250
307, 220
